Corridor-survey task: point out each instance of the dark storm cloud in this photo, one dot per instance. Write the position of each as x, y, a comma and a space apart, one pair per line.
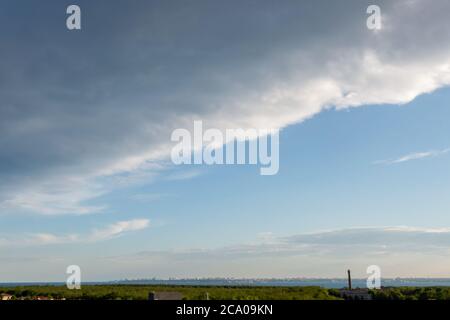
76, 105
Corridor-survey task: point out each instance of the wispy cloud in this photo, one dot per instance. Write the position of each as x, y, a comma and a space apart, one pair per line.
111, 231
118, 228
399, 250
333, 243
148, 197
184, 175
414, 156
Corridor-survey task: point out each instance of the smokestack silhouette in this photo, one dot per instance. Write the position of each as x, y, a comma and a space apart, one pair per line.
349, 280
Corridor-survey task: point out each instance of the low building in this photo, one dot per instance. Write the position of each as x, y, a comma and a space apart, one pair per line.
42, 298
165, 296
5, 296
355, 294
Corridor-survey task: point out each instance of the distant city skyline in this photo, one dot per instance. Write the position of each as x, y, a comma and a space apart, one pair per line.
86, 118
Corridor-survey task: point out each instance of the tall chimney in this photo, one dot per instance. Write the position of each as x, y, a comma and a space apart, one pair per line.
349, 280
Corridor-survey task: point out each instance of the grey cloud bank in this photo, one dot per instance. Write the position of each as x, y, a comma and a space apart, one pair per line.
78, 108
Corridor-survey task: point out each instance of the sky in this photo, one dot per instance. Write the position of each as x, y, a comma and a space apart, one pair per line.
86, 118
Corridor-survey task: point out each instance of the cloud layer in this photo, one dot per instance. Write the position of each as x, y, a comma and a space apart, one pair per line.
399, 251
406, 251
82, 112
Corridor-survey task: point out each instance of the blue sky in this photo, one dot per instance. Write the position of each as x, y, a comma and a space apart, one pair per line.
86, 118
